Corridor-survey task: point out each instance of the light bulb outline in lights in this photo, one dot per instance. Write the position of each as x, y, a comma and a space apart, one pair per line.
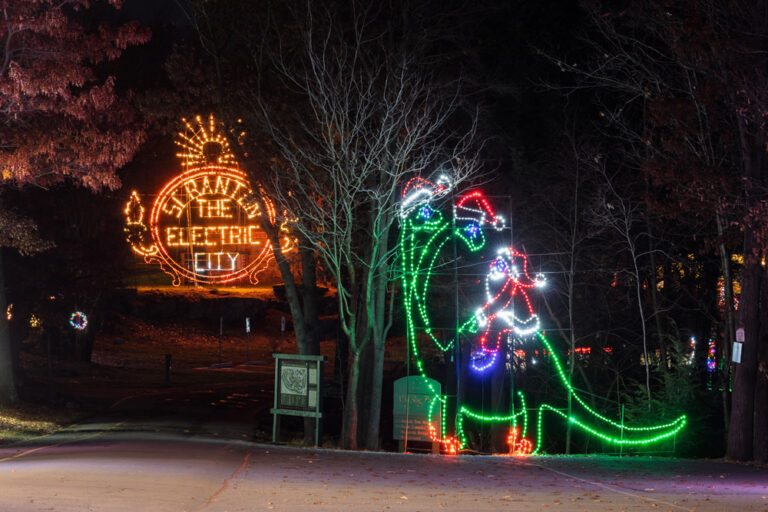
198, 141
422, 239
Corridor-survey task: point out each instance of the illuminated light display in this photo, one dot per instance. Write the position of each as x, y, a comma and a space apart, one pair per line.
471, 213
205, 224
616, 432
449, 445
78, 320
135, 227
425, 233
419, 191
505, 290
711, 356
692, 351
721, 288
518, 445
201, 144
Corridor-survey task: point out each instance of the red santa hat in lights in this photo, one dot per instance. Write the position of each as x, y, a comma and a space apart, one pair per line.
474, 208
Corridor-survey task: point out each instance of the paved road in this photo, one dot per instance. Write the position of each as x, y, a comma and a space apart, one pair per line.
144, 466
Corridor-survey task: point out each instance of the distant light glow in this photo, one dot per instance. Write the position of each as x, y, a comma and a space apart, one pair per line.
692, 350
78, 320
711, 356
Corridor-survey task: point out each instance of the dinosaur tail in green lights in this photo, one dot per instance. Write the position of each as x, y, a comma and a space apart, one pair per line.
612, 432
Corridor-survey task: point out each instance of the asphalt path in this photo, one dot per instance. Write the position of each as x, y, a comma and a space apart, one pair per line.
158, 465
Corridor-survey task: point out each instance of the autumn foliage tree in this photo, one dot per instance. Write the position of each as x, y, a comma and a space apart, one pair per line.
62, 116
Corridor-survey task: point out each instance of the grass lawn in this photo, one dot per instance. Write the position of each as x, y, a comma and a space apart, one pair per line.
22, 421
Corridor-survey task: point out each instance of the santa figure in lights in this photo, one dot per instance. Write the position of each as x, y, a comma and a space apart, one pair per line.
507, 310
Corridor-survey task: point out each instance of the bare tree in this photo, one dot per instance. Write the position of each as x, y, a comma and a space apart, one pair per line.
565, 229
331, 107
618, 211
374, 117
230, 39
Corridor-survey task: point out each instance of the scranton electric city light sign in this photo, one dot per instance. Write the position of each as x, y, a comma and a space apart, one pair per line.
204, 225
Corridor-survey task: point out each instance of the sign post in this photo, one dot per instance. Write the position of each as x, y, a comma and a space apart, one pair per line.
247, 338
737, 345
221, 333
298, 390
736, 358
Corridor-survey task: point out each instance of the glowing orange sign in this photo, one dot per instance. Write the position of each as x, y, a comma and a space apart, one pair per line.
205, 223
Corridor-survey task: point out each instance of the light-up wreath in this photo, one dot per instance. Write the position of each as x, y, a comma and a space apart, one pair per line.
205, 224
507, 313
78, 321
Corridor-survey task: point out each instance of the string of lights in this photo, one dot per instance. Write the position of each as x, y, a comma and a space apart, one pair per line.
425, 234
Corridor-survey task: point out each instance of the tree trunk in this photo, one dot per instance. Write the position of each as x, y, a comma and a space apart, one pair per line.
311, 345
725, 263
298, 316
572, 342
760, 451
654, 281
349, 427
304, 308
379, 332
639, 288
740, 431
364, 383
571, 323
377, 388
8, 392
